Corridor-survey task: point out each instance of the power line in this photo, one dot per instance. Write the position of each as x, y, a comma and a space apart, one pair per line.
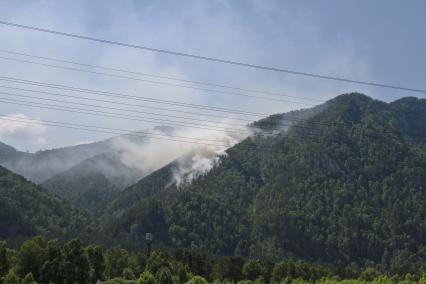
152, 82
127, 117
125, 131
272, 120
283, 122
61, 101
120, 109
102, 93
213, 59
57, 94
106, 130
40, 84
136, 111
95, 129
159, 76
107, 101
133, 97
109, 114
237, 111
98, 129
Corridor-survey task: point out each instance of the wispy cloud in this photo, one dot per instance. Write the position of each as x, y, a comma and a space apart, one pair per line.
18, 126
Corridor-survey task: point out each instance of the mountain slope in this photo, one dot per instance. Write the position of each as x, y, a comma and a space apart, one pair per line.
6, 151
346, 185
85, 175
42, 165
27, 210
93, 181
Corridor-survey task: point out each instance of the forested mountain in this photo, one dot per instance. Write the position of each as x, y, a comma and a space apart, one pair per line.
345, 186
85, 175
6, 151
93, 181
341, 184
42, 165
27, 210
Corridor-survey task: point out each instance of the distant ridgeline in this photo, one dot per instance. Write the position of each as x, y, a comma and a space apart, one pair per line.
85, 175
342, 184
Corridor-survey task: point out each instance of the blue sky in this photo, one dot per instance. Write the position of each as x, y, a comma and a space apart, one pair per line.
383, 41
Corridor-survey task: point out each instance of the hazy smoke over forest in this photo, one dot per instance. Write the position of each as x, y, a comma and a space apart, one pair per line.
194, 156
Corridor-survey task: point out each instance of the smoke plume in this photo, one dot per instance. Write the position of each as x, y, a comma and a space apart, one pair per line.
195, 151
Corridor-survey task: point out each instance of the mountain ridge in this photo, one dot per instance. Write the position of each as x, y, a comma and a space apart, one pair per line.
272, 202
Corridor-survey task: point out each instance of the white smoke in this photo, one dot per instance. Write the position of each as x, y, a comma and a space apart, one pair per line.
198, 162
196, 151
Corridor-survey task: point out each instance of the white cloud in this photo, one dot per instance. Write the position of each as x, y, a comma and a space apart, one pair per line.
20, 126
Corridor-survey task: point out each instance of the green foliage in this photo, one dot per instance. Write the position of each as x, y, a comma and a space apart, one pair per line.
11, 278
97, 263
52, 269
28, 279
93, 181
137, 261
156, 261
253, 269
116, 261
27, 210
31, 257
147, 278
228, 269
344, 187
164, 276
4, 260
128, 274
85, 191
280, 271
197, 280
369, 274
76, 264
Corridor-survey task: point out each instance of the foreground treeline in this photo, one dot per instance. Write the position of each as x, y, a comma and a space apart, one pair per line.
41, 261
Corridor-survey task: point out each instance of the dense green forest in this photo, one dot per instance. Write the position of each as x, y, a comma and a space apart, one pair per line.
41, 261
93, 181
86, 175
346, 187
338, 190
27, 210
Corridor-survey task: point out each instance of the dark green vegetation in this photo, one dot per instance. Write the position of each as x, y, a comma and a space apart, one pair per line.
42, 165
344, 187
41, 261
92, 181
27, 210
85, 175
